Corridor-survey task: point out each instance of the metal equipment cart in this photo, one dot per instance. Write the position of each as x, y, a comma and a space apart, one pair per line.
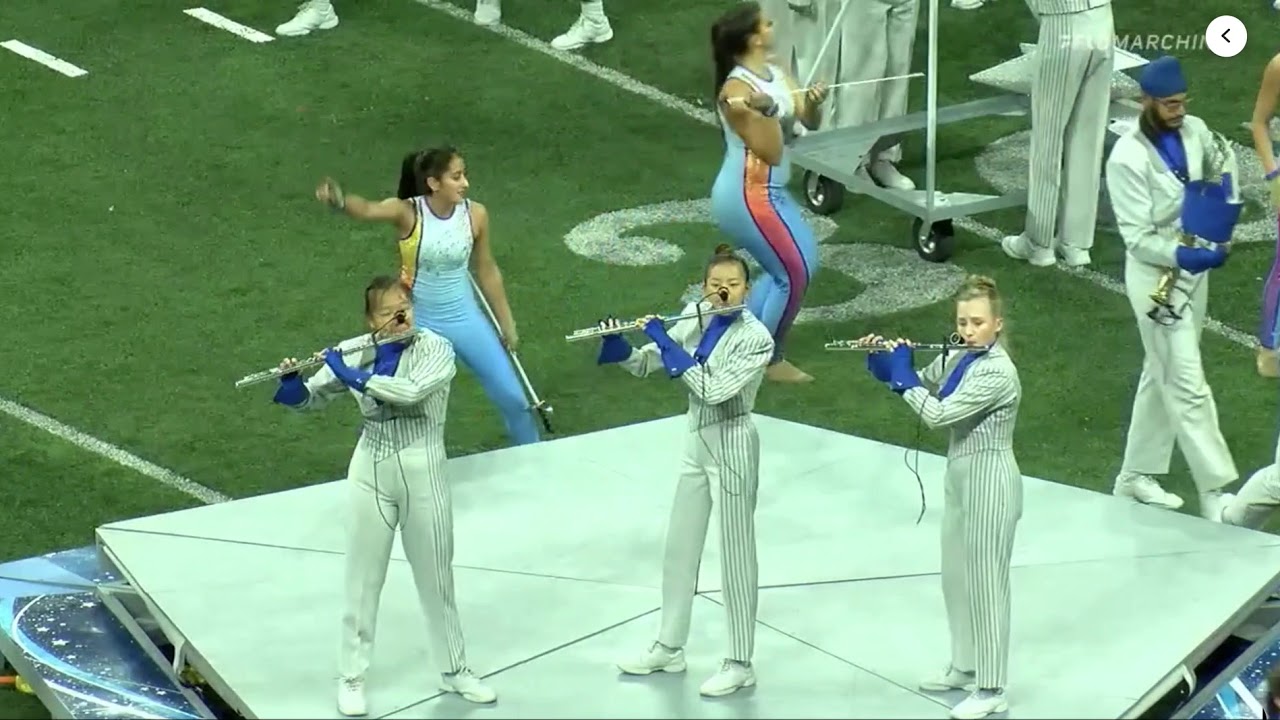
830, 158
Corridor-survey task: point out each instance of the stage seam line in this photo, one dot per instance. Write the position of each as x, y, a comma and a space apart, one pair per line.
541, 654
706, 117
912, 690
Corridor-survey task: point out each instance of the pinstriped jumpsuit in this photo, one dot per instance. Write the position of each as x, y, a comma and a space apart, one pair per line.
1070, 97
722, 448
982, 508
397, 477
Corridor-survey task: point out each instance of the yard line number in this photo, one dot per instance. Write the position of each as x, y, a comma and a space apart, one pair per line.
894, 279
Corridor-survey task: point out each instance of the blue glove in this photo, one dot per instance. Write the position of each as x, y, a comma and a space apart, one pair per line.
674, 357
1206, 212
878, 364
902, 371
614, 349
1196, 260
292, 391
351, 377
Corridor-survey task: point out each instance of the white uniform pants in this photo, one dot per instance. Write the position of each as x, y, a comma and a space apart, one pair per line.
1070, 99
983, 504
408, 490
875, 40
1173, 403
727, 458
1256, 501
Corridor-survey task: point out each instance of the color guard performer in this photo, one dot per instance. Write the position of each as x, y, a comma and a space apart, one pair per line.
1070, 97
1267, 361
1146, 177
978, 395
721, 359
443, 237
758, 105
396, 478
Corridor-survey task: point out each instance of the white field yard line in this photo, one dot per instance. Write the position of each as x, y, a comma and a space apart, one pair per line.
231, 26
80, 439
706, 117
53, 63
118, 455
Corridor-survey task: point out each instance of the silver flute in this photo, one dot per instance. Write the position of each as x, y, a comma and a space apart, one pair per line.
597, 331
313, 361
953, 344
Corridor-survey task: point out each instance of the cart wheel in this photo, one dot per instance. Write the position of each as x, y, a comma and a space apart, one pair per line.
938, 244
822, 194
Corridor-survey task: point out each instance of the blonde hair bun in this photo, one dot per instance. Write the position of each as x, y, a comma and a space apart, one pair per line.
724, 249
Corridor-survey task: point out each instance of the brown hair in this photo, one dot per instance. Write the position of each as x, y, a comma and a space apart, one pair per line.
729, 36
981, 286
725, 255
377, 287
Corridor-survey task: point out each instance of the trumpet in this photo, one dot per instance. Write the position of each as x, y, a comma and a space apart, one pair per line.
317, 360
1220, 162
595, 332
953, 344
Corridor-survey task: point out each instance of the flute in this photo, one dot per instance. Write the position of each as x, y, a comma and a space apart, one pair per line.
595, 332
317, 360
954, 343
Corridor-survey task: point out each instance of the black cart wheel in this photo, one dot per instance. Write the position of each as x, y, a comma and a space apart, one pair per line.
822, 194
938, 244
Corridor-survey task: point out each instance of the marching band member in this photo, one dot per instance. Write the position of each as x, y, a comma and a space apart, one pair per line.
1268, 362
721, 360
750, 202
1146, 177
875, 40
591, 26
1070, 95
978, 395
312, 15
443, 236
396, 478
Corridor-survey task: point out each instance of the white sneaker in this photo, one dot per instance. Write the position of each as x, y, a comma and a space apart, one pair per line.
312, 15
1075, 258
1212, 504
351, 697
584, 31
465, 683
951, 679
1019, 247
732, 677
488, 12
658, 659
1146, 490
980, 704
887, 175
1230, 515
973, 4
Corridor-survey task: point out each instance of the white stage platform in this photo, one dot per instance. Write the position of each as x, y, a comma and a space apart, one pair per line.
558, 561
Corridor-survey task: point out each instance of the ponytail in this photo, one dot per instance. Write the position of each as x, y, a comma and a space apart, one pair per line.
410, 184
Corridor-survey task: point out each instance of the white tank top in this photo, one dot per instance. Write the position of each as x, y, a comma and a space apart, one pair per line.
775, 87
435, 260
